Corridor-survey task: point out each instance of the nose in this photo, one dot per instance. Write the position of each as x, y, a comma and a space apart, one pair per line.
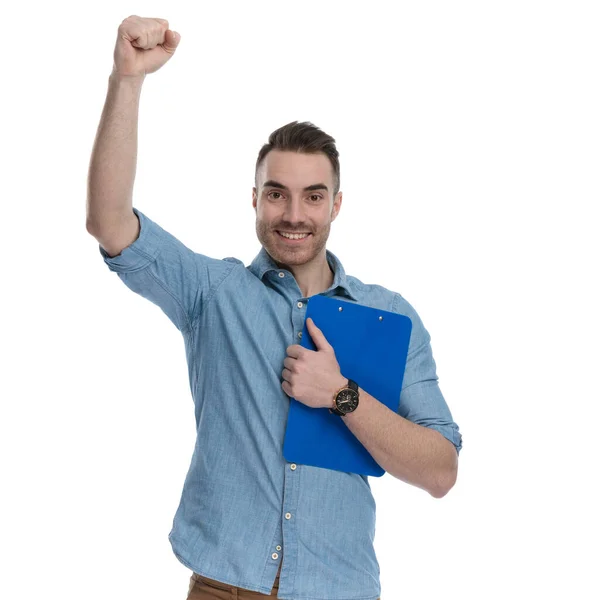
293, 212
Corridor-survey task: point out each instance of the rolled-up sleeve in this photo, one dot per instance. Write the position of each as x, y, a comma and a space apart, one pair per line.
163, 270
421, 400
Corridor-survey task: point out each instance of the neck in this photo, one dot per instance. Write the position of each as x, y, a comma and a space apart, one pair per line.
313, 277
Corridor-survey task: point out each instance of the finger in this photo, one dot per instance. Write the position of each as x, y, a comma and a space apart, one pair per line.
146, 33
294, 350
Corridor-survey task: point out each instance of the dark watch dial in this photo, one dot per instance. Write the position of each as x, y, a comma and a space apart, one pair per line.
347, 400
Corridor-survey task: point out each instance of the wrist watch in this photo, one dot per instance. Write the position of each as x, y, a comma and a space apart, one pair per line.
345, 400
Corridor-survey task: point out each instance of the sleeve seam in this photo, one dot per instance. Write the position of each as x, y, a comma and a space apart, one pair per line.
427, 336
197, 320
149, 257
166, 289
211, 294
434, 379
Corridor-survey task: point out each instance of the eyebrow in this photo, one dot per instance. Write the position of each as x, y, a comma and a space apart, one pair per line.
314, 186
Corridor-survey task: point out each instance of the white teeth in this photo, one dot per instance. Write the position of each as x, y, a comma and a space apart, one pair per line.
294, 236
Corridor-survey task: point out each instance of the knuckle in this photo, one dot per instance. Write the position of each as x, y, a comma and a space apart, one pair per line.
129, 19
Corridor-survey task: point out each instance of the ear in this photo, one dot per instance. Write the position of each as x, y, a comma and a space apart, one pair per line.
337, 205
254, 198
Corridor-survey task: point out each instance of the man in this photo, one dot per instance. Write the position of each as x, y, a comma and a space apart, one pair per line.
243, 506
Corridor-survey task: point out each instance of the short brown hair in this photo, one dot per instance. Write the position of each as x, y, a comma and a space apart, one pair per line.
302, 137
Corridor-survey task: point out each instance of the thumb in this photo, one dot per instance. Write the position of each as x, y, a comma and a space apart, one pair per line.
316, 335
171, 42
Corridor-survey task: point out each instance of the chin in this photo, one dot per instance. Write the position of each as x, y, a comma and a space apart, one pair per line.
291, 258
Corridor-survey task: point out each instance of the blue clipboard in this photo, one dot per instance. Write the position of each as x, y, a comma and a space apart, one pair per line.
371, 346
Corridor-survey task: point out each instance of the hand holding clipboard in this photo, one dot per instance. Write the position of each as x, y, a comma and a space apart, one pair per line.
371, 346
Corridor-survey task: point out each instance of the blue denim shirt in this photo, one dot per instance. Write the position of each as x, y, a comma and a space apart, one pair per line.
244, 509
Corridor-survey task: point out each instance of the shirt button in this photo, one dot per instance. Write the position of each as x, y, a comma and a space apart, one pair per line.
300, 304
281, 274
288, 516
278, 547
274, 556
293, 466
299, 334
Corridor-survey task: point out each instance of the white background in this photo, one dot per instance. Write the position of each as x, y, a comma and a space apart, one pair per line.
468, 135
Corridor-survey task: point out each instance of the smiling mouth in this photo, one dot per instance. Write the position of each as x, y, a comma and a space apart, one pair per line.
303, 235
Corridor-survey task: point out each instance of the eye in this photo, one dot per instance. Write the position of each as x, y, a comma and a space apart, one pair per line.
274, 193
316, 196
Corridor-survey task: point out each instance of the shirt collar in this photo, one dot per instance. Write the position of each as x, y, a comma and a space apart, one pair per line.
263, 263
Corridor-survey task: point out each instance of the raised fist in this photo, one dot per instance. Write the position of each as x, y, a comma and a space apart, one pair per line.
143, 46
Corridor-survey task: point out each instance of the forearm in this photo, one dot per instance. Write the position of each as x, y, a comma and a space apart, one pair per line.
114, 155
415, 454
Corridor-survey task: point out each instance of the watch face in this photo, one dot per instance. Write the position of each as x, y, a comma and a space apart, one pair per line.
347, 400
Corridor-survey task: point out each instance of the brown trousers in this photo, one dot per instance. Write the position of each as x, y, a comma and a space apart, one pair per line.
203, 588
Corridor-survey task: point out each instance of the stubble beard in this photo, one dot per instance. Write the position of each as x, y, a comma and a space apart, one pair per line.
269, 238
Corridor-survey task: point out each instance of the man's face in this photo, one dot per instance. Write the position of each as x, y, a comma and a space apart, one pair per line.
295, 209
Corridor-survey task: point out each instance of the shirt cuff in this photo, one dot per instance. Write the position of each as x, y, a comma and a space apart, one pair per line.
451, 434
141, 252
